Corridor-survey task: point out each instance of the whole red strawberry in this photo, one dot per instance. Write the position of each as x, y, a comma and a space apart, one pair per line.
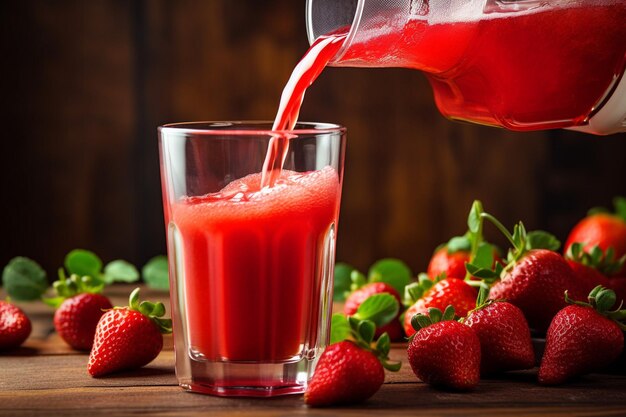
603, 229
428, 294
15, 326
505, 342
345, 374
351, 371
582, 338
444, 353
79, 306
357, 297
535, 284
128, 337
76, 318
450, 263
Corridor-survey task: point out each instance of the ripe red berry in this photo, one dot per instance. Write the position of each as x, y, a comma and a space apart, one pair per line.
76, 318
15, 326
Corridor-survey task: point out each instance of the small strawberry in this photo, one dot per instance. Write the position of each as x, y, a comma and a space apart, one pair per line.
593, 268
451, 257
357, 297
604, 229
583, 338
535, 276
128, 337
505, 342
15, 326
79, 306
438, 293
443, 352
351, 369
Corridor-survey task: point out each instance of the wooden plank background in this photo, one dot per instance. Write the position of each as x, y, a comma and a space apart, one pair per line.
86, 83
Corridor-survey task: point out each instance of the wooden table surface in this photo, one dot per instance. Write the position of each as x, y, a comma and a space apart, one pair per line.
45, 377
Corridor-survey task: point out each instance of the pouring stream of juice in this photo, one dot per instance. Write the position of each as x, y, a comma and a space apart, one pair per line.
303, 75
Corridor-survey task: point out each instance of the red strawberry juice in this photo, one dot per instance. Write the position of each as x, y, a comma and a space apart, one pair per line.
252, 260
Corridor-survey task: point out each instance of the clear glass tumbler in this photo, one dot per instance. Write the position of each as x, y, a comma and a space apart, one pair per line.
251, 268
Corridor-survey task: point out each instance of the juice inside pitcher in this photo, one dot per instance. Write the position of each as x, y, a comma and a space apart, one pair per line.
519, 64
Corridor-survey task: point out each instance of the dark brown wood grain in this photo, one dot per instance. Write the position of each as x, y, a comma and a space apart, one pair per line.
85, 84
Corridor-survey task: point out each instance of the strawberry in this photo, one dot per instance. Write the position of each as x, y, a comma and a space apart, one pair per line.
345, 374
505, 342
592, 268
357, 297
351, 369
582, 338
534, 277
443, 352
15, 326
76, 318
603, 229
451, 257
128, 337
79, 305
439, 294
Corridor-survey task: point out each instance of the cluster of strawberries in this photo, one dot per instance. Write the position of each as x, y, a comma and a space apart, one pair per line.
471, 313
118, 338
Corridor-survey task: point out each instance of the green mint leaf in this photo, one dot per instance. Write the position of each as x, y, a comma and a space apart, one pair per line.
620, 207
484, 256
366, 330
83, 262
379, 308
24, 280
342, 281
459, 244
155, 273
120, 271
538, 239
339, 328
391, 271
474, 220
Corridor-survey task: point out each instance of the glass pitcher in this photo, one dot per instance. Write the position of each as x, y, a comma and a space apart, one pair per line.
520, 64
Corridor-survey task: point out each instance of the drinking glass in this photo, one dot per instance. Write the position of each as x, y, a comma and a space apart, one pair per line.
251, 267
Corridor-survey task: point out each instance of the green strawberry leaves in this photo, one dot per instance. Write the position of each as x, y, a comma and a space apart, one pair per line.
602, 300
391, 271
24, 280
603, 261
156, 273
86, 263
342, 281
120, 271
416, 290
459, 244
421, 321
481, 260
377, 310
154, 311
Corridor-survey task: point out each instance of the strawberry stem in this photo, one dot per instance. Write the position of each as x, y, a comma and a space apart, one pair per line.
502, 229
